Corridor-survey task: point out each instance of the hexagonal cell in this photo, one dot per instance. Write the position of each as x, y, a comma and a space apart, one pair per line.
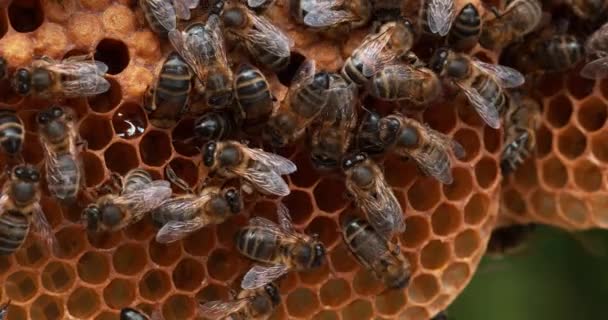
226, 232
592, 114
106, 315
200, 242
182, 138
366, 284
486, 172
418, 230
335, 292
476, 210
390, 302
468, 115
461, 186
222, 265
93, 267
58, 276
424, 194
466, 243
121, 157
491, 139
119, 293
440, 118
599, 207
325, 228
129, 121
94, 170
526, 176
21, 286
213, 292
326, 315
559, 111
329, 194
129, 259
598, 146
315, 276
26, 16
300, 206
423, 288
571, 143
16, 312
306, 176
455, 276
578, 86
186, 170
302, 303
47, 307
358, 310
97, 131
141, 230
179, 307
155, 148
435, 255
554, 173
402, 173
341, 259
544, 204
164, 254
188, 274
154, 285
108, 100
544, 141
587, 176
105, 240
114, 53
5, 264
32, 253
551, 83
3, 26
71, 241
445, 220
83, 303
573, 208
415, 313
469, 139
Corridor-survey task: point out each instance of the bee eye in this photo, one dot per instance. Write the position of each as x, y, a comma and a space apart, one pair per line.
43, 118
361, 157
209, 153
57, 112
19, 171
34, 176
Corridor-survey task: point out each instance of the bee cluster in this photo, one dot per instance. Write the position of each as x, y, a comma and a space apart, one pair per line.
409, 60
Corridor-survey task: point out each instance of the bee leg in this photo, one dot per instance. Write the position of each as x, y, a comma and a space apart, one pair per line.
82, 145
179, 182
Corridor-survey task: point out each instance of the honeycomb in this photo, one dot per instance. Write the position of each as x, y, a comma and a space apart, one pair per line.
93, 277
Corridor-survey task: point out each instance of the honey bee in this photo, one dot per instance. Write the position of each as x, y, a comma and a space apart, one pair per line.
182, 215
230, 159
160, 15
519, 18
132, 314
510, 239
437, 16
215, 125
521, 122
332, 14
280, 248
12, 132
331, 138
60, 142
266, 43
397, 82
368, 134
202, 47
183, 7
307, 96
366, 184
253, 95
20, 209
255, 304
482, 83
139, 195
393, 40
596, 47
4, 309
559, 52
378, 255
168, 98
259, 5
76, 76
466, 28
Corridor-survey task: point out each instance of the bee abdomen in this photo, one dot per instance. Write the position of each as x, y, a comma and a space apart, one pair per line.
467, 25
363, 241
351, 71
64, 179
559, 53
253, 94
272, 61
491, 91
11, 132
257, 244
14, 227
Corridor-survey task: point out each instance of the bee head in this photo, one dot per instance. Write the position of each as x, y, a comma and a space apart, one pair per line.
321, 80
408, 137
353, 160
389, 129
41, 79
130, 314
407, 24
279, 129
209, 126
217, 7
234, 17
439, 60
25, 179
233, 198
323, 162
26, 173
51, 128
22, 81
91, 217
209, 153
111, 215
273, 293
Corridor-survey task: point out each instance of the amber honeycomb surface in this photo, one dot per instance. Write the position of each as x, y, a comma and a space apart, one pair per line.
93, 277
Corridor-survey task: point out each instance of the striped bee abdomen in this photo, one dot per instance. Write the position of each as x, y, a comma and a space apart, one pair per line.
11, 132
14, 227
258, 244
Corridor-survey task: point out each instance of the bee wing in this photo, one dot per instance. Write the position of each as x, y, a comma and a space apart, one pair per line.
164, 12
44, 228
372, 53
266, 224
177, 230
284, 218
81, 77
327, 17
255, 3
266, 35
259, 276
484, 108
275, 162
190, 51
596, 69
384, 211
435, 161
182, 8
214, 26
440, 15
458, 150
220, 309
507, 77
93, 65
305, 71
146, 199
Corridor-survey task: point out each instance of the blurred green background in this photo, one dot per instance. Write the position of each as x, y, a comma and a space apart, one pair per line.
558, 276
